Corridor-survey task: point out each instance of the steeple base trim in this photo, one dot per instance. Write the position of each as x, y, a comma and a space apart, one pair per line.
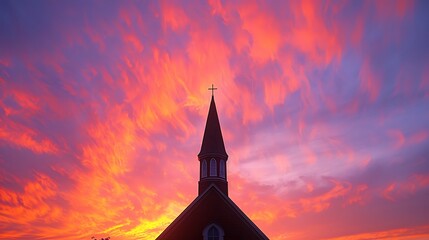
205, 183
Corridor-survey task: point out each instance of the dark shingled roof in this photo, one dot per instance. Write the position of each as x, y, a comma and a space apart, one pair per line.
212, 140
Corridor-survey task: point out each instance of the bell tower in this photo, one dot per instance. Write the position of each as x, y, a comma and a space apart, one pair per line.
213, 156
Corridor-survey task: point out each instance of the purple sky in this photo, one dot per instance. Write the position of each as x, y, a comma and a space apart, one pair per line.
323, 108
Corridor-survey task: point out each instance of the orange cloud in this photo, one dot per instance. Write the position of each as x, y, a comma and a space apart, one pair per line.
359, 195
322, 202
398, 190
134, 41
26, 101
173, 16
274, 92
113, 146
25, 137
416, 233
388, 191
266, 37
31, 204
310, 34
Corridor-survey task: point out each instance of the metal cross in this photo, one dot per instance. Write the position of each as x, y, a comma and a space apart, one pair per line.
212, 88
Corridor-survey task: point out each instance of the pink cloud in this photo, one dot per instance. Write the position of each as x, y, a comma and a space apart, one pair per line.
25, 137
321, 202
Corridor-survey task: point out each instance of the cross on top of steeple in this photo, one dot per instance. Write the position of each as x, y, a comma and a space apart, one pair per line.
212, 88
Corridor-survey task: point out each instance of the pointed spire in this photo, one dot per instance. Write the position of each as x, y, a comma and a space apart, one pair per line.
212, 140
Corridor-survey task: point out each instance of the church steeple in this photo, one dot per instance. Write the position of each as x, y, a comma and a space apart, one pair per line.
212, 140
212, 215
213, 156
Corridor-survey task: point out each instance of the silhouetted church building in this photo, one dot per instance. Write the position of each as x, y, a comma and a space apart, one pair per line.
212, 215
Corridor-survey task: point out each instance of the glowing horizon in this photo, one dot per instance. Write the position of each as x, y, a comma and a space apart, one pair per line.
323, 109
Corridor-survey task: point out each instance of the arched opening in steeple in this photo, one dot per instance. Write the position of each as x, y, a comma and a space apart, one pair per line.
204, 169
213, 167
222, 168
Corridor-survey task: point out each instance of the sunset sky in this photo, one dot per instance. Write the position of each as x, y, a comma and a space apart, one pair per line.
324, 109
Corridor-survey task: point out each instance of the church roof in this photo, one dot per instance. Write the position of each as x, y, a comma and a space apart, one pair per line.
212, 140
224, 205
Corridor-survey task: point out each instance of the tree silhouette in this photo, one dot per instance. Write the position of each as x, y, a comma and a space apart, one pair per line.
107, 238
